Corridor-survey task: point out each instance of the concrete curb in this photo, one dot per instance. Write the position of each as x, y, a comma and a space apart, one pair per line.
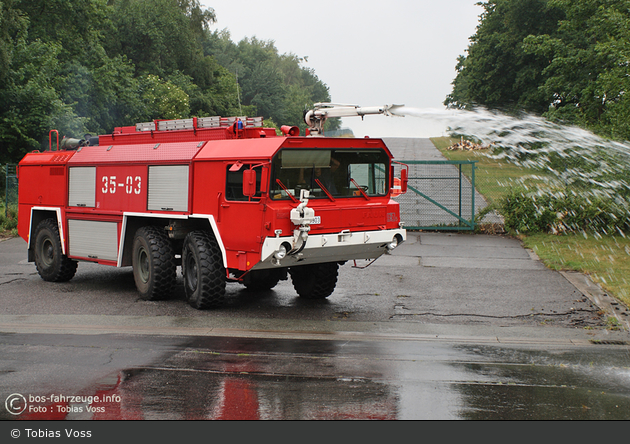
609, 305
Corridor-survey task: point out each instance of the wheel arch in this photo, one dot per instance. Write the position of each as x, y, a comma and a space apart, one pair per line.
38, 214
133, 221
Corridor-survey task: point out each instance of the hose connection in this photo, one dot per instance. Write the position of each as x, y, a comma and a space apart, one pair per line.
303, 217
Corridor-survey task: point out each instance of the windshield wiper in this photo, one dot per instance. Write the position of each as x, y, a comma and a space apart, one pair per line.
360, 188
279, 182
321, 185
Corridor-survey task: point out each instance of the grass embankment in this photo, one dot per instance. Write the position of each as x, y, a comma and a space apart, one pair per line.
8, 222
493, 178
605, 258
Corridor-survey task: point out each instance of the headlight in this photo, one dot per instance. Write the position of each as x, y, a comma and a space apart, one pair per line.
281, 253
393, 244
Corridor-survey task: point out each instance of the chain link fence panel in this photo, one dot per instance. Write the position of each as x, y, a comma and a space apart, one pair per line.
441, 196
10, 188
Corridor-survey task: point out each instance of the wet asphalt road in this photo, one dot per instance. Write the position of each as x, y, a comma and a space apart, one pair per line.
451, 326
448, 280
191, 378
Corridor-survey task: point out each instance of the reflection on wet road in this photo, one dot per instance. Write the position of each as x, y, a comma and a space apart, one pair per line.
189, 378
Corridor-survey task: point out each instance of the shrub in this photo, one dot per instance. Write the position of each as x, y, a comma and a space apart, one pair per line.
558, 213
8, 222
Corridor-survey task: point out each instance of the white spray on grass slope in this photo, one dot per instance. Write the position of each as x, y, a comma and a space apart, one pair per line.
581, 162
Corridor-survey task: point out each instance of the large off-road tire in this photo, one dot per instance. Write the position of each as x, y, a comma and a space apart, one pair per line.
316, 281
204, 273
264, 280
153, 261
52, 265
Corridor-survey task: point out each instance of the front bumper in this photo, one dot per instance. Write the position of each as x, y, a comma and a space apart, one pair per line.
334, 247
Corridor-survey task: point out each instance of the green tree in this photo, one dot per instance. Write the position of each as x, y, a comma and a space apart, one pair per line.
264, 89
155, 35
278, 86
588, 73
163, 99
497, 72
166, 38
100, 89
92, 65
30, 102
563, 59
76, 25
13, 24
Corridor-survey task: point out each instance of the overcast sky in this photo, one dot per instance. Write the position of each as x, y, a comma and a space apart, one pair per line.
368, 52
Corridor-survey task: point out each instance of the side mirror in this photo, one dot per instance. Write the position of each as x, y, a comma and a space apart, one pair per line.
404, 180
249, 183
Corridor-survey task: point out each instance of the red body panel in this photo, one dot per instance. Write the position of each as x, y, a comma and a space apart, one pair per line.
147, 153
43, 181
242, 149
44, 177
121, 188
208, 188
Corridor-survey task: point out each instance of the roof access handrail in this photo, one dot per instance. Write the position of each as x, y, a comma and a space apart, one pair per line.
50, 140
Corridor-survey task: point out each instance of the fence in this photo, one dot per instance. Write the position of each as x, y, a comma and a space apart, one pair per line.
10, 188
441, 195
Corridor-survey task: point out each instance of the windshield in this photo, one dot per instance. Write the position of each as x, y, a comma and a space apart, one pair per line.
329, 173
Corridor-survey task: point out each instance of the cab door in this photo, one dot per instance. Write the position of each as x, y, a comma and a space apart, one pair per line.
241, 218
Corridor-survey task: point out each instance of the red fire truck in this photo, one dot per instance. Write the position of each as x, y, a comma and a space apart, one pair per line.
224, 198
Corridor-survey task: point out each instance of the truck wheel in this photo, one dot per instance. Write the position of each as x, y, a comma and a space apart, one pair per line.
263, 280
153, 262
52, 265
204, 273
316, 281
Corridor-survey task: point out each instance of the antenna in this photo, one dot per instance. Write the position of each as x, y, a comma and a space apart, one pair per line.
238, 95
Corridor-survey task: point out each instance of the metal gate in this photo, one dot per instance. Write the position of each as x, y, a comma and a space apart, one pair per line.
440, 196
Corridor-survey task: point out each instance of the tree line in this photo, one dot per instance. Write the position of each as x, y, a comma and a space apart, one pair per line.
87, 66
566, 60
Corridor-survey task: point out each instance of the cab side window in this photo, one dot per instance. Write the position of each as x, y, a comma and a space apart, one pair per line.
234, 182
